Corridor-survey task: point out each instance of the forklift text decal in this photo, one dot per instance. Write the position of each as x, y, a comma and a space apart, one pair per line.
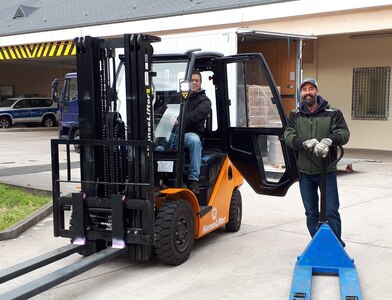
216, 222
149, 120
148, 94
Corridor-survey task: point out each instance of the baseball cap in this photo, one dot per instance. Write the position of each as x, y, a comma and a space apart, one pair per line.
309, 80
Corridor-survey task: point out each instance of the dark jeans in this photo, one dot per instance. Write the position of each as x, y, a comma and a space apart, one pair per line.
309, 185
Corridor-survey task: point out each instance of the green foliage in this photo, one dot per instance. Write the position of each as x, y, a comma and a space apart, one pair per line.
16, 204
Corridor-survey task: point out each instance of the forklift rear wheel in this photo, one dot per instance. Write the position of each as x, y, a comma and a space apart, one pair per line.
235, 213
174, 232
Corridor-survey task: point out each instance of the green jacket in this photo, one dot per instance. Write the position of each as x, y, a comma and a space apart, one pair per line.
325, 122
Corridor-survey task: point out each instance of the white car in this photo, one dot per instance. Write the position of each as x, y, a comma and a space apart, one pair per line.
35, 110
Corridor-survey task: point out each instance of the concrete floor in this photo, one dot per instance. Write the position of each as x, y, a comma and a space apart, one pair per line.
255, 263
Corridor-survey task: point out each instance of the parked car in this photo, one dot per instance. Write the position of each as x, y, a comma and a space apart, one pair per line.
35, 110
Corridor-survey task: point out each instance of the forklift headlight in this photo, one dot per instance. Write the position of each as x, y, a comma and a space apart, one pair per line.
185, 88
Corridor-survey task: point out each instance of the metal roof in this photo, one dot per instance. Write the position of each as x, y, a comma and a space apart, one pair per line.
19, 17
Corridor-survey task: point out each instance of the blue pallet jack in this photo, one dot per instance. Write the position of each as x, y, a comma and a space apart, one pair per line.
325, 255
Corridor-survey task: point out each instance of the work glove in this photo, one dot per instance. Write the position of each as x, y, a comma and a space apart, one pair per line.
310, 144
322, 148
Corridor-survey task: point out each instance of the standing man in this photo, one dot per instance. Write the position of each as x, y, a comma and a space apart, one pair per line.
317, 127
197, 110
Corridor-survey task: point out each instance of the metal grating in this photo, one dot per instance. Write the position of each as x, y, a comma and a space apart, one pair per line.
371, 93
7, 91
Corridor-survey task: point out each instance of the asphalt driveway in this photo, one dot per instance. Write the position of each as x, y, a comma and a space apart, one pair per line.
255, 263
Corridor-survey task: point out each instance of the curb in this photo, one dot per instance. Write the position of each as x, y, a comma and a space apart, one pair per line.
26, 223
31, 220
29, 129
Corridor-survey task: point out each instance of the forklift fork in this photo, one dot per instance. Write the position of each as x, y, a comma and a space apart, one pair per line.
44, 283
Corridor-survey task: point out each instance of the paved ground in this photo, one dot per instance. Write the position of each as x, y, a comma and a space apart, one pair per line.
255, 263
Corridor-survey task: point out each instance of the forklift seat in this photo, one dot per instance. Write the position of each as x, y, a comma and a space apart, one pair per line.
211, 164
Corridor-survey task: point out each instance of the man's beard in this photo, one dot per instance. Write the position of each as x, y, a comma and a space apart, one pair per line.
309, 101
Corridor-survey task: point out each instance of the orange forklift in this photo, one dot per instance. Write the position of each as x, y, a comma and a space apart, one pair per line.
133, 194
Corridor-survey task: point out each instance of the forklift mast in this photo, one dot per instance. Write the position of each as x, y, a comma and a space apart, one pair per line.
115, 156
98, 120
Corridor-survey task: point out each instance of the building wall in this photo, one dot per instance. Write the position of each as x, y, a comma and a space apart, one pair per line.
337, 22
34, 79
333, 63
334, 53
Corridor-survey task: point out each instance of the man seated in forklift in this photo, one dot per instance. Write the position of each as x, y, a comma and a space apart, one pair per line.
197, 111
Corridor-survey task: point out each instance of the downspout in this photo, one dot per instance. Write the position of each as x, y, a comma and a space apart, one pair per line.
298, 71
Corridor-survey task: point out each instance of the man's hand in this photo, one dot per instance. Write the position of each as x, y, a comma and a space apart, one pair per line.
173, 121
310, 144
322, 148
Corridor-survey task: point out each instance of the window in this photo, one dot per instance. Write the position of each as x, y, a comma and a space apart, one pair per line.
35, 103
7, 91
251, 97
22, 104
370, 93
48, 102
253, 105
40, 102
73, 89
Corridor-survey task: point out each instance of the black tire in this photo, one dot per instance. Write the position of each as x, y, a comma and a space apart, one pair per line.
49, 121
235, 213
76, 137
174, 232
5, 122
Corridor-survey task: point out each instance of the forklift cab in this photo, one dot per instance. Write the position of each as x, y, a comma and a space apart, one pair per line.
247, 122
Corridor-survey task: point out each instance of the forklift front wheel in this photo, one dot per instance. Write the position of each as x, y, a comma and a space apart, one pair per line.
235, 213
174, 232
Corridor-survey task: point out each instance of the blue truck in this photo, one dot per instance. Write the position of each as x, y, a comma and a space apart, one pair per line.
66, 94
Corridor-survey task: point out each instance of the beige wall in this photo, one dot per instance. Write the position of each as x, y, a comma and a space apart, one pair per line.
334, 60
339, 22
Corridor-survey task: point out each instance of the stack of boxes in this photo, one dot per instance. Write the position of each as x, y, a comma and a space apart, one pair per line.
263, 113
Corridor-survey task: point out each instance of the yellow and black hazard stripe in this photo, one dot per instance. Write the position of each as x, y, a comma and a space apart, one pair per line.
32, 51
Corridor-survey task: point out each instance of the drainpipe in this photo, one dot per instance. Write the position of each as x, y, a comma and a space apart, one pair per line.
298, 71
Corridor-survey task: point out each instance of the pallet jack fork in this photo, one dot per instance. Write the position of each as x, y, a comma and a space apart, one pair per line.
325, 255
52, 279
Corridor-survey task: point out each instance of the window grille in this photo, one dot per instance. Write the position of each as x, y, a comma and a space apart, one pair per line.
370, 93
7, 91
